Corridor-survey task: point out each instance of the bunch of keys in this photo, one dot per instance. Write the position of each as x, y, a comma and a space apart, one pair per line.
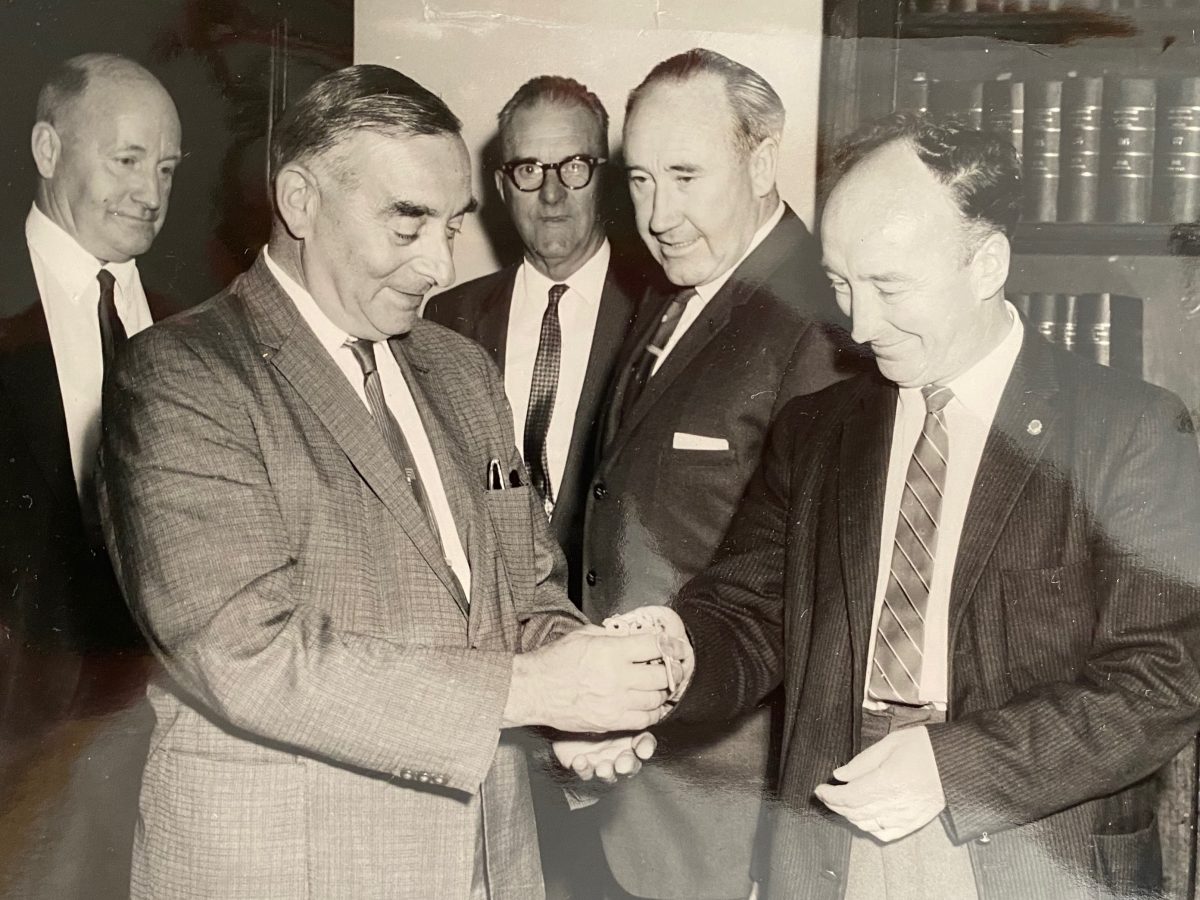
640, 620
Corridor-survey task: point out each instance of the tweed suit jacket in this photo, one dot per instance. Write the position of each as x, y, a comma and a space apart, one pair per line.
330, 721
479, 309
1074, 643
685, 826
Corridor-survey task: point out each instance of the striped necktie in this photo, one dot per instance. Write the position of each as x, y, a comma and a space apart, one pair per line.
542, 390
900, 636
644, 366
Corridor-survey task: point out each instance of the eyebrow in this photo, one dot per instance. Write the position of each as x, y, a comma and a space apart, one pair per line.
405, 209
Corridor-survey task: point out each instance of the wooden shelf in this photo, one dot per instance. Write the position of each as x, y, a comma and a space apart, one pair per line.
1058, 27
1104, 239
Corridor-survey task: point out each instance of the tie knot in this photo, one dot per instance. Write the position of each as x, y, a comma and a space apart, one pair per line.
364, 352
936, 397
684, 296
556, 294
107, 280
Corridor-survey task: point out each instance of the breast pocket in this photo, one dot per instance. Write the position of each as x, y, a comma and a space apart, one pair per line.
701, 458
511, 512
1048, 623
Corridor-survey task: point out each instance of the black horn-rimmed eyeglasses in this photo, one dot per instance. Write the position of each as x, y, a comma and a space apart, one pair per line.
574, 172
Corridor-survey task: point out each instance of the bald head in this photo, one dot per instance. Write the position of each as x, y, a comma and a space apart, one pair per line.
106, 144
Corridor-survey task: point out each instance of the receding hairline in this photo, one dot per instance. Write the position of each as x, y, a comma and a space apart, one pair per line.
597, 132
76, 77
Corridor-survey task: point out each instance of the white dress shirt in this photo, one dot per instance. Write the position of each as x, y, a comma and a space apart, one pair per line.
705, 292
578, 310
400, 402
969, 418
66, 280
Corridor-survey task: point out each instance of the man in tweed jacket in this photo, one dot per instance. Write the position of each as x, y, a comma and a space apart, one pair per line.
348, 621
1050, 656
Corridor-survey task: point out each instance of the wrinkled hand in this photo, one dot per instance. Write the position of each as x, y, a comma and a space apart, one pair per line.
593, 680
606, 758
890, 789
658, 620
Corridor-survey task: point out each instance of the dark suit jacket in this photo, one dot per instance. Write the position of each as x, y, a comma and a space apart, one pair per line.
684, 827
479, 310
1074, 625
59, 601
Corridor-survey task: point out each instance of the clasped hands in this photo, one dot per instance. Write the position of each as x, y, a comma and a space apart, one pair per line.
622, 676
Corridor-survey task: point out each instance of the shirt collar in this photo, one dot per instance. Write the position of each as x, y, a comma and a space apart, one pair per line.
332, 337
709, 290
979, 388
587, 282
72, 266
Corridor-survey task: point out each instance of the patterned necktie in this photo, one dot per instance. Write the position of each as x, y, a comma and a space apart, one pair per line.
542, 390
900, 637
364, 352
658, 342
112, 332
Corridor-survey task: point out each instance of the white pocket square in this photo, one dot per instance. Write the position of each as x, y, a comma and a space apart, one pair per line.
685, 441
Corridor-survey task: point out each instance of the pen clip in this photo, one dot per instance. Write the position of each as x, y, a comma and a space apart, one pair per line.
495, 476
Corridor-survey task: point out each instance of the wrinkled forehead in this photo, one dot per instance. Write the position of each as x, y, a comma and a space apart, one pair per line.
552, 123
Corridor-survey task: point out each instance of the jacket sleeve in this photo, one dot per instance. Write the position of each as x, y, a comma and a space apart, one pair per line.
204, 556
1136, 699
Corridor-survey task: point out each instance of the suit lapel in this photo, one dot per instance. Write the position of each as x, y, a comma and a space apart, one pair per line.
30, 377
612, 325
862, 480
452, 460
492, 328
1026, 420
296, 353
753, 274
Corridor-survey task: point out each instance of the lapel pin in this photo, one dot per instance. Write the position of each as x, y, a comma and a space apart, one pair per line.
1034, 427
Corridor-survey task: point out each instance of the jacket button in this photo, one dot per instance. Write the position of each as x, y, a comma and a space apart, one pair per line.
985, 838
599, 491
591, 578
439, 780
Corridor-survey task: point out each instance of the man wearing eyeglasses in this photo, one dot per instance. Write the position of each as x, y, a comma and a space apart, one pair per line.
706, 369
554, 321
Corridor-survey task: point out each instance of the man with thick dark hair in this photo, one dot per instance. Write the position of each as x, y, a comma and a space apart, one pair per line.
554, 321
320, 521
975, 576
705, 371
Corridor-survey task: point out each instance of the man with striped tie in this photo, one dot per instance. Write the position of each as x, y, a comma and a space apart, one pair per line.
975, 577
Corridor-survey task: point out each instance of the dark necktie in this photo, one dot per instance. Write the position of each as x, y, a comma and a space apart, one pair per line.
364, 352
644, 365
542, 390
900, 637
112, 332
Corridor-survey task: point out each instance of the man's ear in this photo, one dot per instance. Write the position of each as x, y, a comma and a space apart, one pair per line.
764, 162
46, 145
989, 265
500, 185
298, 197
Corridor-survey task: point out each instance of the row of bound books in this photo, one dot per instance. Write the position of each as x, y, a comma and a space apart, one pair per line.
1107, 328
1009, 6
1094, 148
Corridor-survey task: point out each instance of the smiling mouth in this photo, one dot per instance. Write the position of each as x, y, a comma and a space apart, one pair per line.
677, 248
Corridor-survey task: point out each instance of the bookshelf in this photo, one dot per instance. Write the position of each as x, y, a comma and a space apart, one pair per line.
957, 56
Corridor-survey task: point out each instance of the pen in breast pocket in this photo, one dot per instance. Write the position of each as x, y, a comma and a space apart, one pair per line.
495, 476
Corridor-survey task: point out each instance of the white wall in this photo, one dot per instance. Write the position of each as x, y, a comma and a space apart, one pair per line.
475, 58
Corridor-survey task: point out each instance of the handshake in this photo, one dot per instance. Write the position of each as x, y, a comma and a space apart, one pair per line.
622, 676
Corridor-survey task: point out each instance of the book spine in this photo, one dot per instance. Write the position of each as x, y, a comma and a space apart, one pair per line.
959, 100
1043, 130
1079, 190
1177, 157
1095, 327
1004, 109
1042, 315
1064, 320
1126, 149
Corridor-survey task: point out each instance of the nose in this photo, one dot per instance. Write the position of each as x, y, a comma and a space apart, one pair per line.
864, 316
552, 190
149, 189
664, 211
436, 263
